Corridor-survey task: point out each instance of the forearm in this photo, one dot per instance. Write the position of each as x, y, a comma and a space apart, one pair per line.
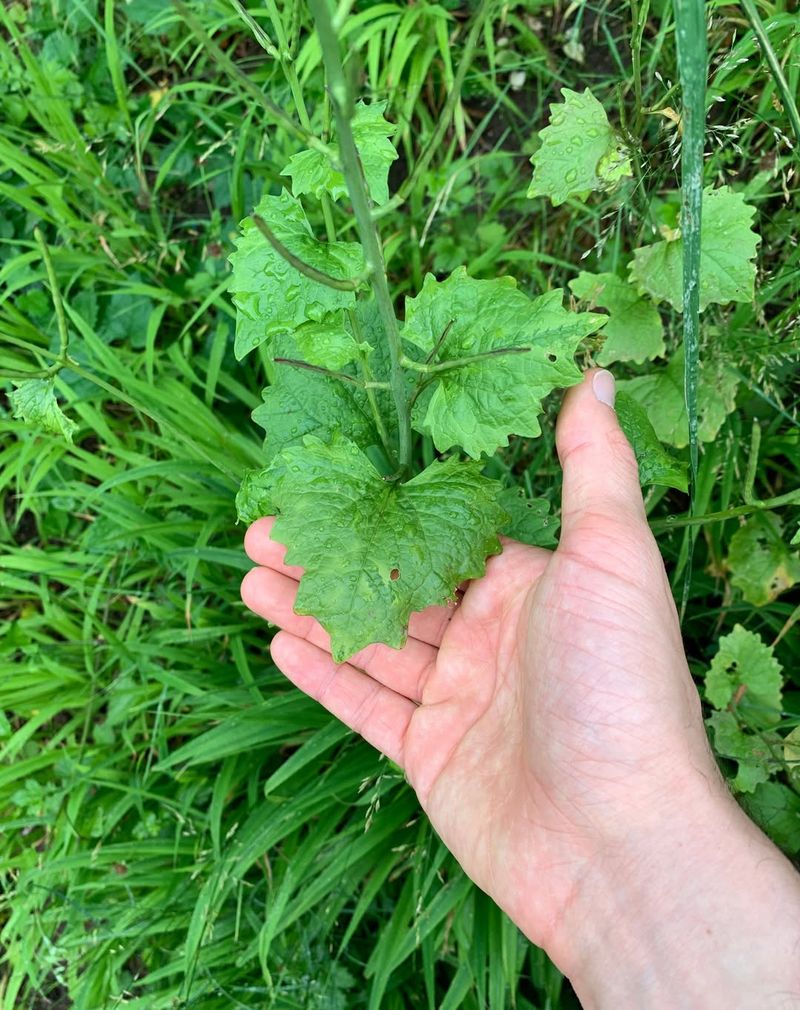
708, 918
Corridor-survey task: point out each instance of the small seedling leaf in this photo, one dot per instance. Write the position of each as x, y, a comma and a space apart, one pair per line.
580, 150
34, 401
313, 172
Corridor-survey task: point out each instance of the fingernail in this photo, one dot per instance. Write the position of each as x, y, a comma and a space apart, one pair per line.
604, 387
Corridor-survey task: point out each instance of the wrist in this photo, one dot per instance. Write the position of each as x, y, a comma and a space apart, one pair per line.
701, 911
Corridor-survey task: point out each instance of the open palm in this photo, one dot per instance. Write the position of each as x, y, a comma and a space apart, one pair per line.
538, 714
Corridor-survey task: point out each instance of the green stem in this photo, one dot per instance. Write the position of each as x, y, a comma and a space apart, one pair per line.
259, 34
446, 116
285, 58
765, 505
38, 373
343, 110
440, 342
370, 386
63, 331
787, 98
639, 12
752, 463
446, 366
346, 284
690, 34
342, 376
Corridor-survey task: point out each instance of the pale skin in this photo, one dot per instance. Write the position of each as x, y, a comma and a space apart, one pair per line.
552, 732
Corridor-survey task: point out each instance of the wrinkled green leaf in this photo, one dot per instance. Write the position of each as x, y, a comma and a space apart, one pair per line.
479, 405
753, 752
661, 395
34, 401
745, 673
253, 499
313, 172
728, 247
580, 151
329, 343
634, 331
374, 551
530, 521
776, 809
270, 295
301, 402
656, 464
761, 564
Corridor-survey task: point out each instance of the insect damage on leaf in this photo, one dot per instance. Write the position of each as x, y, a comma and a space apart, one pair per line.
530, 521
374, 552
270, 294
727, 249
760, 562
746, 674
580, 150
313, 172
479, 404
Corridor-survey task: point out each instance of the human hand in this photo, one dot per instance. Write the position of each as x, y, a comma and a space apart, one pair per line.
548, 722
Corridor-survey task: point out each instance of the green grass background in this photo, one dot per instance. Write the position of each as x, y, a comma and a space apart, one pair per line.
178, 826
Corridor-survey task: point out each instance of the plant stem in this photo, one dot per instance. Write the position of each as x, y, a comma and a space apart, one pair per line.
439, 343
787, 98
342, 376
346, 284
446, 116
639, 12
63, 330
446, 366
765, 505
690, 34
285, 57
690, 38
343, 109
370, 386
752, 463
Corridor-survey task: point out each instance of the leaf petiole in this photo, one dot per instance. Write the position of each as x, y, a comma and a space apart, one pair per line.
446, 366
346, 284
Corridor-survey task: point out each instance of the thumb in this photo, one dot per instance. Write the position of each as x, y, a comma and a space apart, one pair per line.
601, 476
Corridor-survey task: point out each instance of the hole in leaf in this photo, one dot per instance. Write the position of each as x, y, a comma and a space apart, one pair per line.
394, 574
552, 357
